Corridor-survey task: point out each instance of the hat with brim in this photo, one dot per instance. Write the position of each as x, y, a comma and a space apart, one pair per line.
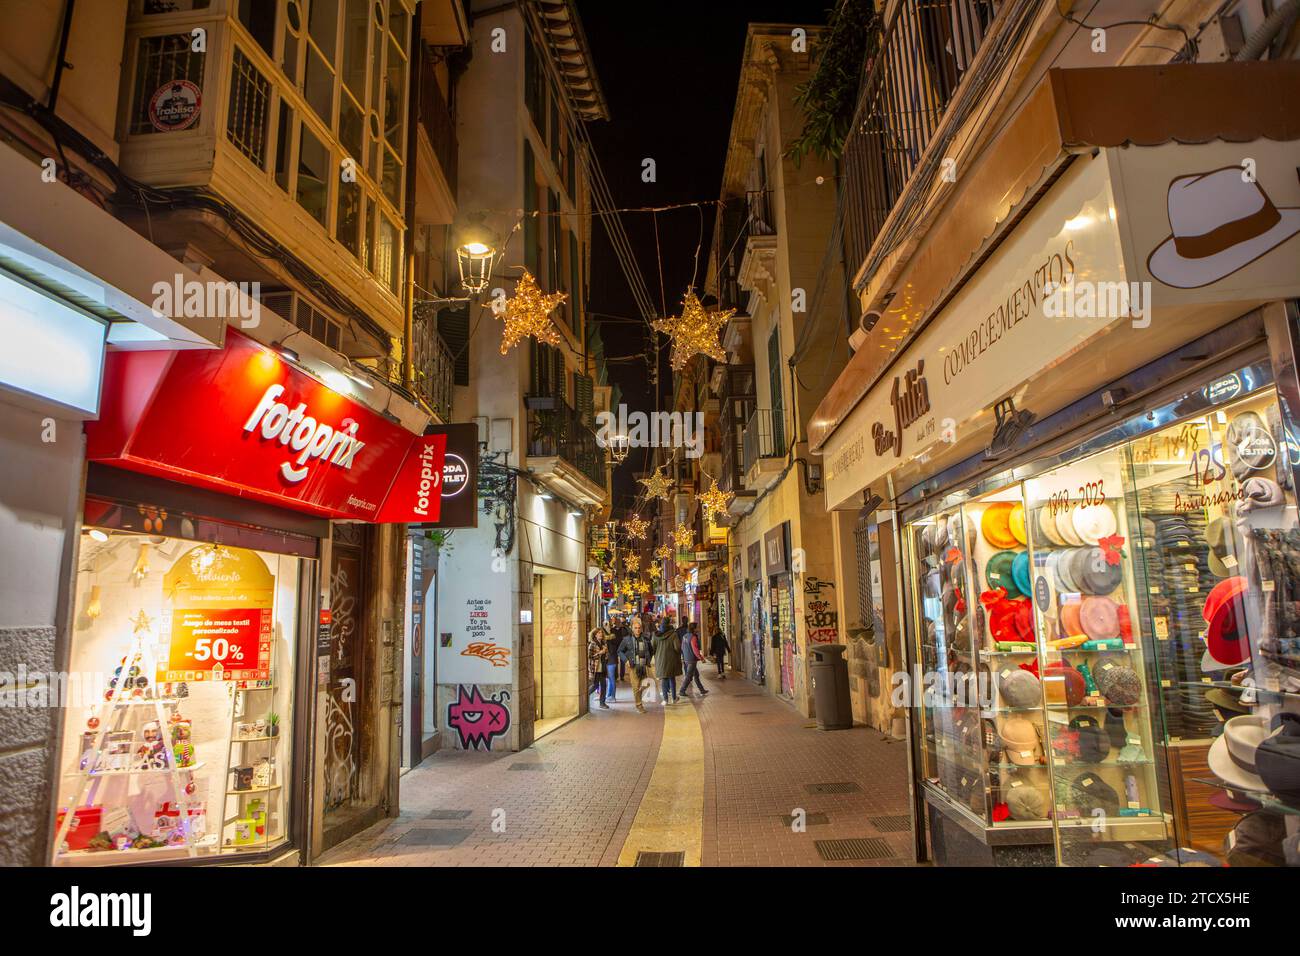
1226, 702
1277, 761
1220, 222
1217, 567
939, 535
1019, 740
1094, 573
1016, 523
1047, 526
1065, 528
997, 572
1020, 572
995, 525
1232, 755
1099, 618
1071, 618
1088, 792
1225, 613
1094, 522
932, 583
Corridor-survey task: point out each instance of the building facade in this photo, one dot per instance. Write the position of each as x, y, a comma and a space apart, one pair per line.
1054, 364
218, 240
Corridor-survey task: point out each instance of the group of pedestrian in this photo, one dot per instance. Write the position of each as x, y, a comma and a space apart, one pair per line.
628, 650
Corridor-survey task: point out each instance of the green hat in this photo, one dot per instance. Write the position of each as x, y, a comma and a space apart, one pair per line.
998, 573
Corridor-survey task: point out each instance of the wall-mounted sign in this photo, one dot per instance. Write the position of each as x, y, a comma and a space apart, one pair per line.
776, 548
459, 503
175, 106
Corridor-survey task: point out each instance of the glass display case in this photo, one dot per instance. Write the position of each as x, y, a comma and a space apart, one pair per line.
1105, 640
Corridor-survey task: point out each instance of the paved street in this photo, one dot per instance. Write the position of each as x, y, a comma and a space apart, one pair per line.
715, 780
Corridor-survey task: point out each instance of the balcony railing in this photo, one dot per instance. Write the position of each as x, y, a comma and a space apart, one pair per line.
924, 52
555, 430
437, 119
764, 438
762, 220
736, 400
434, 364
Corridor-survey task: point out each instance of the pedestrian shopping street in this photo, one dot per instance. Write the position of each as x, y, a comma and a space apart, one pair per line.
715, 780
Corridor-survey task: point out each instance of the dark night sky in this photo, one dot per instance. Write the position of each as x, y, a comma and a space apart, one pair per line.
669, 72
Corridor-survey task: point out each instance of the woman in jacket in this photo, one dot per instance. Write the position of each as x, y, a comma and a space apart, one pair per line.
596, 662
668, 661
720, 648
642, 654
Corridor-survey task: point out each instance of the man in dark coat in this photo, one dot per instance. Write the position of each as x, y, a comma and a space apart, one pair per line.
691, 657
719, 648
668, 661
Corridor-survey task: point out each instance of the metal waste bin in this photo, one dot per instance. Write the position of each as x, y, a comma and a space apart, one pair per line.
830, 677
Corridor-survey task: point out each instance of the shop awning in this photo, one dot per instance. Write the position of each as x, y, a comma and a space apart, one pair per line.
1070, 112
244, 421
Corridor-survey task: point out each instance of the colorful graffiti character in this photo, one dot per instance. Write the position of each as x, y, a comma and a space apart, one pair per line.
478, 721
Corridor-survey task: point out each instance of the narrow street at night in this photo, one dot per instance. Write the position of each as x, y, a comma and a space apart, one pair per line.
718, 781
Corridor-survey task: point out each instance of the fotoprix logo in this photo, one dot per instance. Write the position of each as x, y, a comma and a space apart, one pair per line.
653, 430
75, 909
430, 480
204, 300
302, 433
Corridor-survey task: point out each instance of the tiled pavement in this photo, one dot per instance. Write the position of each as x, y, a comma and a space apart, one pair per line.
578, 806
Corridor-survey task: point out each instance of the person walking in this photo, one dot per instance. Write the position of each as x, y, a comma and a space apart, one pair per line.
668, 661
596, 663
612, 642
643, 652
626, 647
691, 657
719, 648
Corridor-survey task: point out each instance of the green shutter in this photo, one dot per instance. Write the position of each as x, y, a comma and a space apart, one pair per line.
453, 326
584, 399
532, 248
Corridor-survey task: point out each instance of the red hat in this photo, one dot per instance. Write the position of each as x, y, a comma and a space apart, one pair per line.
1226, 615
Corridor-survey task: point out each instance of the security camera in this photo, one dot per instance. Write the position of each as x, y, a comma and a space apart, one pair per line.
868, 320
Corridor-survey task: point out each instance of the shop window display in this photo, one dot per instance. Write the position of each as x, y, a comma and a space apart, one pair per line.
178, 743
1127, 613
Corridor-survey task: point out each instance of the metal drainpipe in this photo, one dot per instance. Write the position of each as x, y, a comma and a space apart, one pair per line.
1266, 31
61, 57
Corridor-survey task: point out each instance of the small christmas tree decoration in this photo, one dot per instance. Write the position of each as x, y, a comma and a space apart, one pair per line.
693, 332
683, 537
528, 313
636, 527
714, 501
657, 485
632, 562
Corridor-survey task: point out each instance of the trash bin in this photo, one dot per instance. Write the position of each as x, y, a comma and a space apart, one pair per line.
830, 677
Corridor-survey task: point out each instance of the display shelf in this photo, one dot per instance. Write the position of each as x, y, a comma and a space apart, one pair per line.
102, 857
132, 771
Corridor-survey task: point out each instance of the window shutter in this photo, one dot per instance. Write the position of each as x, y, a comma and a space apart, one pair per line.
584, 399
453, 326
532, 249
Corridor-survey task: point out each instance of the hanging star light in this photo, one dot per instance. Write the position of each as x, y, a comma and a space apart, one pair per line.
657, 485
632, 562
641, 587
683, 537
142, 622
656, 572
714, 501
528, 313
636, 527
694, 331
663, 552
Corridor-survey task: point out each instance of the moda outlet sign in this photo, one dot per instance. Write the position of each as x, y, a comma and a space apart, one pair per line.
993, 335
243, 421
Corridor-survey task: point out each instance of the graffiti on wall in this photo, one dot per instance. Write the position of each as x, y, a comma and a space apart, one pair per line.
559, 618
499, 656
819, 614
477, 720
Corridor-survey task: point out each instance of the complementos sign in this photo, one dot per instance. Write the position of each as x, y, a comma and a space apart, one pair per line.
243, 421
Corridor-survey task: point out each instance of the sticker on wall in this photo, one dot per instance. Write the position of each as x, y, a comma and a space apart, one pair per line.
478, 721
175, 106
1220, 221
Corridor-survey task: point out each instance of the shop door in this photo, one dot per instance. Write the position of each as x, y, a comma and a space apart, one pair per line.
539, 628
783, 625
346, 701
421, 723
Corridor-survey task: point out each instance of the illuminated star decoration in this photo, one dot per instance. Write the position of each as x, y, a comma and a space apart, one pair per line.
636, 527
528, 313
142, 622
663, 552
632, 562
656, 572
694, 331
714, 501
683, 537
657, 485
640, 587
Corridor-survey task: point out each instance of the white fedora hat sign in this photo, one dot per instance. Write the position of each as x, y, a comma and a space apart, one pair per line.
1220, 223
